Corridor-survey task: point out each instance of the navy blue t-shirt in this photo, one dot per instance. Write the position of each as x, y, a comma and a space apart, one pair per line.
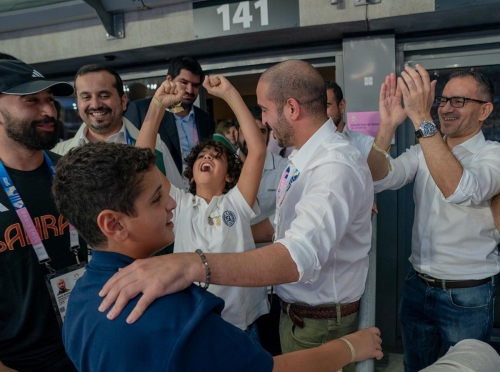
179, 332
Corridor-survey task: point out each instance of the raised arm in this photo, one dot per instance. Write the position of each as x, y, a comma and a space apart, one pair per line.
251, 174
166, 95
391, 116
418, 94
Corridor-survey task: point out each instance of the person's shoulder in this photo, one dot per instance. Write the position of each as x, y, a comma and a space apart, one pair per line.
140, 102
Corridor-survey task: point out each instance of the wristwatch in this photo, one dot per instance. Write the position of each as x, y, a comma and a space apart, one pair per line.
427, 129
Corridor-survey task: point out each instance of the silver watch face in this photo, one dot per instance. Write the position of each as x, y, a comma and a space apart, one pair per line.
428, 129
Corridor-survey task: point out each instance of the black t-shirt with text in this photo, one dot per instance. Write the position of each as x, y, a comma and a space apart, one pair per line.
30, 337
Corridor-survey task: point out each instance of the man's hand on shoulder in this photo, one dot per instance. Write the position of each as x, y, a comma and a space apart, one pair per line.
154, 277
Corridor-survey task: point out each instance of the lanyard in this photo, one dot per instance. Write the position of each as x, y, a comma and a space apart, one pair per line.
128, 138
27, 221
280, 198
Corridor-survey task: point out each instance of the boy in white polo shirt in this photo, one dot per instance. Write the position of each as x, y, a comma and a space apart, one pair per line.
215, 215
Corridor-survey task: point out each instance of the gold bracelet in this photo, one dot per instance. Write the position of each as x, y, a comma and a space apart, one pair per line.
383, 152
158, 103
353, 352
378, 149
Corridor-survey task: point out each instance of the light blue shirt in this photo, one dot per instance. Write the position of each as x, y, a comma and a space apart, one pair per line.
188, 134
188, 138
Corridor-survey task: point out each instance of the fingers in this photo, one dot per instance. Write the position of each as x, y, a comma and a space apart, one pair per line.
110, 284
392, 83
212, 82
139, 309
206, 82
433, 90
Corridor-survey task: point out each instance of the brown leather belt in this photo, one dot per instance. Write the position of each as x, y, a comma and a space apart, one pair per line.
443, 283
297, 312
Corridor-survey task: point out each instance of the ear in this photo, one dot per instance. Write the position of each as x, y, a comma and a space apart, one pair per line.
169, 78
111, 224
228, 178
292, 107
486, 110
342, 105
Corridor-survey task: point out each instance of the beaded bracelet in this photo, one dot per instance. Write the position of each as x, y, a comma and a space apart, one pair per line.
207, 270
353, 352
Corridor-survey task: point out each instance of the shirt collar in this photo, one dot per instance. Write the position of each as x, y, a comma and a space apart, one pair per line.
118, 137
188, 116
302, 156
473, 144
269, 162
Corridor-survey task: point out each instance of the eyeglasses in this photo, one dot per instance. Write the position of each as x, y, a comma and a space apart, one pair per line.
456, 102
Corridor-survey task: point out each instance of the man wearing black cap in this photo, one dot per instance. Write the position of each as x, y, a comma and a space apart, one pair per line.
30, 338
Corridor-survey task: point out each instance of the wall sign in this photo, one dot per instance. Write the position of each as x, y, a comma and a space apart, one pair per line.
215, 18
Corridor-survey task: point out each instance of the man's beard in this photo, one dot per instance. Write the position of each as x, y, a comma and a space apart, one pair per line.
101, 126
26, 134
284, 134
186, 105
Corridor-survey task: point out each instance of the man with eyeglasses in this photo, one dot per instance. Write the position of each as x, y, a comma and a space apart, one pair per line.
449, 292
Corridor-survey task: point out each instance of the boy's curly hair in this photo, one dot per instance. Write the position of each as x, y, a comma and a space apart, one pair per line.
234, 164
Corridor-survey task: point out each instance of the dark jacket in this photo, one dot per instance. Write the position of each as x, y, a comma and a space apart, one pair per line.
136, 112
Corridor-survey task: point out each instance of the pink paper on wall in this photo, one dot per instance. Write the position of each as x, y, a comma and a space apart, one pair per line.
366, 122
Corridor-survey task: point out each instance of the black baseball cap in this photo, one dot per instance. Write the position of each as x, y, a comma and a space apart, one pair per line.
18, 78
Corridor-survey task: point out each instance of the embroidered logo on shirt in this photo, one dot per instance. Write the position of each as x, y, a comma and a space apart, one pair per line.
229, 218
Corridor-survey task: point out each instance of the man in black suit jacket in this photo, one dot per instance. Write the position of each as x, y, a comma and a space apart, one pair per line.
188, 71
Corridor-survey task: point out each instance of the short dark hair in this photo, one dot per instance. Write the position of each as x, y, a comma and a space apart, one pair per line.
184, 63
233, 163
99, 176
299, 80
337, 91
87, 69
485, 86
256, 112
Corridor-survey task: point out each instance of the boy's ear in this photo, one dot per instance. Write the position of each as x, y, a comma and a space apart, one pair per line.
111, 224
228, 178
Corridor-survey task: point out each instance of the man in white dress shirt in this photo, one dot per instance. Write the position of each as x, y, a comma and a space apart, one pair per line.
323, 229
101, 102
449, 292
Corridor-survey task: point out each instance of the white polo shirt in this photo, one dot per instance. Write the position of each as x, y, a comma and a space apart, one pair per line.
221, 226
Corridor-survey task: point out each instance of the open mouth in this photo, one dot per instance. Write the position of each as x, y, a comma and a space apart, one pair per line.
206, 167
98, 113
